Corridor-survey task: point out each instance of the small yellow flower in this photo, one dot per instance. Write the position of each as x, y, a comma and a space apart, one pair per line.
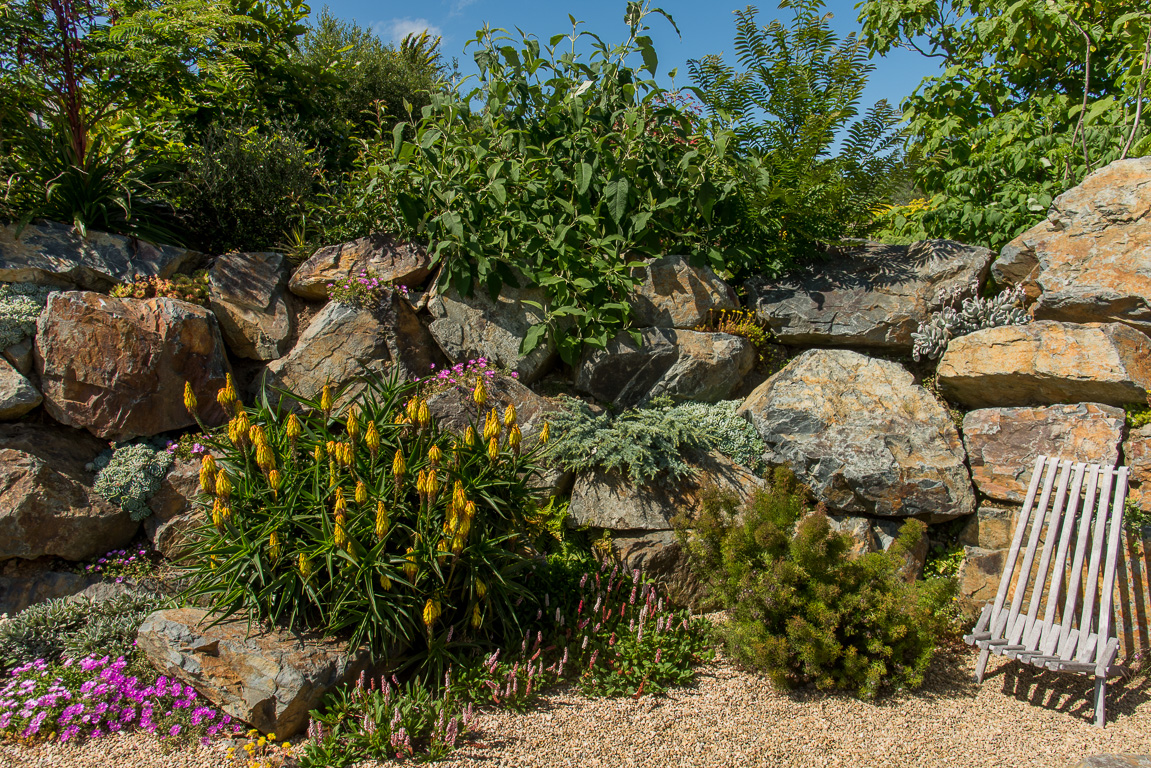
514, 436
274, 480
190, 398
477, 618
227, 396
545, 433
271, 737
372, 438
262, 742
459, 496
361, 492
493, 450
341, 504
265, 458
326, 399
458, 542
435, 455
413, 409
208, 474
423, 416
305, 567
223, 485
431, 612
510, 415
347, 455
352, 424
385, 582
381, 520
421, 482
481, 393
399, 468
470, 437
341, 534
431, 484
491, 426
481, 589
256, 434
274, 547
293, 429
318, 454
410, 567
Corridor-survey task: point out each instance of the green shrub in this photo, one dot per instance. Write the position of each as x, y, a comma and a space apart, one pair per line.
129, 475
649, 443
327, 521
800, 608
245, 188
75, 627
20, 307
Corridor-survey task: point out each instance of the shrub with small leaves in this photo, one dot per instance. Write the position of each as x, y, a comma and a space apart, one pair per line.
801, 608
128, 475
650, 443
20, 307
975, 314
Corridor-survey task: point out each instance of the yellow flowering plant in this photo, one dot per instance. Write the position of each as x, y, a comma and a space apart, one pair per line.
365, 523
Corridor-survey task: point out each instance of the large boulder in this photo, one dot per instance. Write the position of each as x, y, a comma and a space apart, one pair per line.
872, 296
980, 572
1047, 362
1137, 457
381, 255
175, 516
46, 505
603, 499
30, 582
55, 254
247, 295
684, 365
343, 343
674, 294
267, 679
1090, 261
117, 367
863, 436
1003, 443
469, 328
17, 395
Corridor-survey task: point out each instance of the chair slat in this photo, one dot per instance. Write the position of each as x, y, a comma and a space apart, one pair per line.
1070, 636
1014, 625
1054, 519
1113, 536
1052, 631
1091, 588
996, 622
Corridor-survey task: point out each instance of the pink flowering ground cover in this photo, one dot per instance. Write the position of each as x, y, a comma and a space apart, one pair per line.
93, 697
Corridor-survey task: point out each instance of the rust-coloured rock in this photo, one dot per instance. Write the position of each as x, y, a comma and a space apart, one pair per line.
991, 527
979, 573
1090, 261
1137, 457
267, 679
343, 343
117, 367
382, 255
46, 505
1047, 362
674, 294
871, 296
1003, 443
863, 436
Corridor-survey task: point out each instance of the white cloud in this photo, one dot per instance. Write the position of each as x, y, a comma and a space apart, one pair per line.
459, 5
397, 29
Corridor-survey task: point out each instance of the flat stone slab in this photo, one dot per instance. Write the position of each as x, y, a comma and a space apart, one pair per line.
872, 296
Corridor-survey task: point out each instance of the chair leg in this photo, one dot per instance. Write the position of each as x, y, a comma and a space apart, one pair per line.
1100, 701
981, 665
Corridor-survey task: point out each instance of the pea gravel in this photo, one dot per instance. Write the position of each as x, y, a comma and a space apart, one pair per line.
1017, 718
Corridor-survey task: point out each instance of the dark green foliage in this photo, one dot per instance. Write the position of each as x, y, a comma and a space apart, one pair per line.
1032, 97
800, 608
795, 91
650, 443
245, 189
75, 627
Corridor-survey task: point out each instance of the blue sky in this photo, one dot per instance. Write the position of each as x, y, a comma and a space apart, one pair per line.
707, 27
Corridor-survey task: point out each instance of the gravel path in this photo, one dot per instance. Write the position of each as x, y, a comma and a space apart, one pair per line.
732, 718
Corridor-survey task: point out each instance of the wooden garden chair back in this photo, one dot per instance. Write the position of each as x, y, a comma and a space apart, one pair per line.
1066, 546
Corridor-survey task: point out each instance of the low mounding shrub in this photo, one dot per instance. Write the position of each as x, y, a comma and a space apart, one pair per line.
74, 627
129, 475
649, 443
368, 522
975, 314
193, 288
20, 307
804, 611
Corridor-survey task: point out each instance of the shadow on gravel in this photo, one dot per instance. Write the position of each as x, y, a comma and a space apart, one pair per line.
1071, 694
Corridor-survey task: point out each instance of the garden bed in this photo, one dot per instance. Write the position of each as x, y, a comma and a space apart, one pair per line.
733, 718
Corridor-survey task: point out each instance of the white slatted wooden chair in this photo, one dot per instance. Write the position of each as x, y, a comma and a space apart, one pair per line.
1067, 625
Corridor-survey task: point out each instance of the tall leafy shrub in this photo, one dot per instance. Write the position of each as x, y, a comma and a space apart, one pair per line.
556, 170
800, 608
792, 92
